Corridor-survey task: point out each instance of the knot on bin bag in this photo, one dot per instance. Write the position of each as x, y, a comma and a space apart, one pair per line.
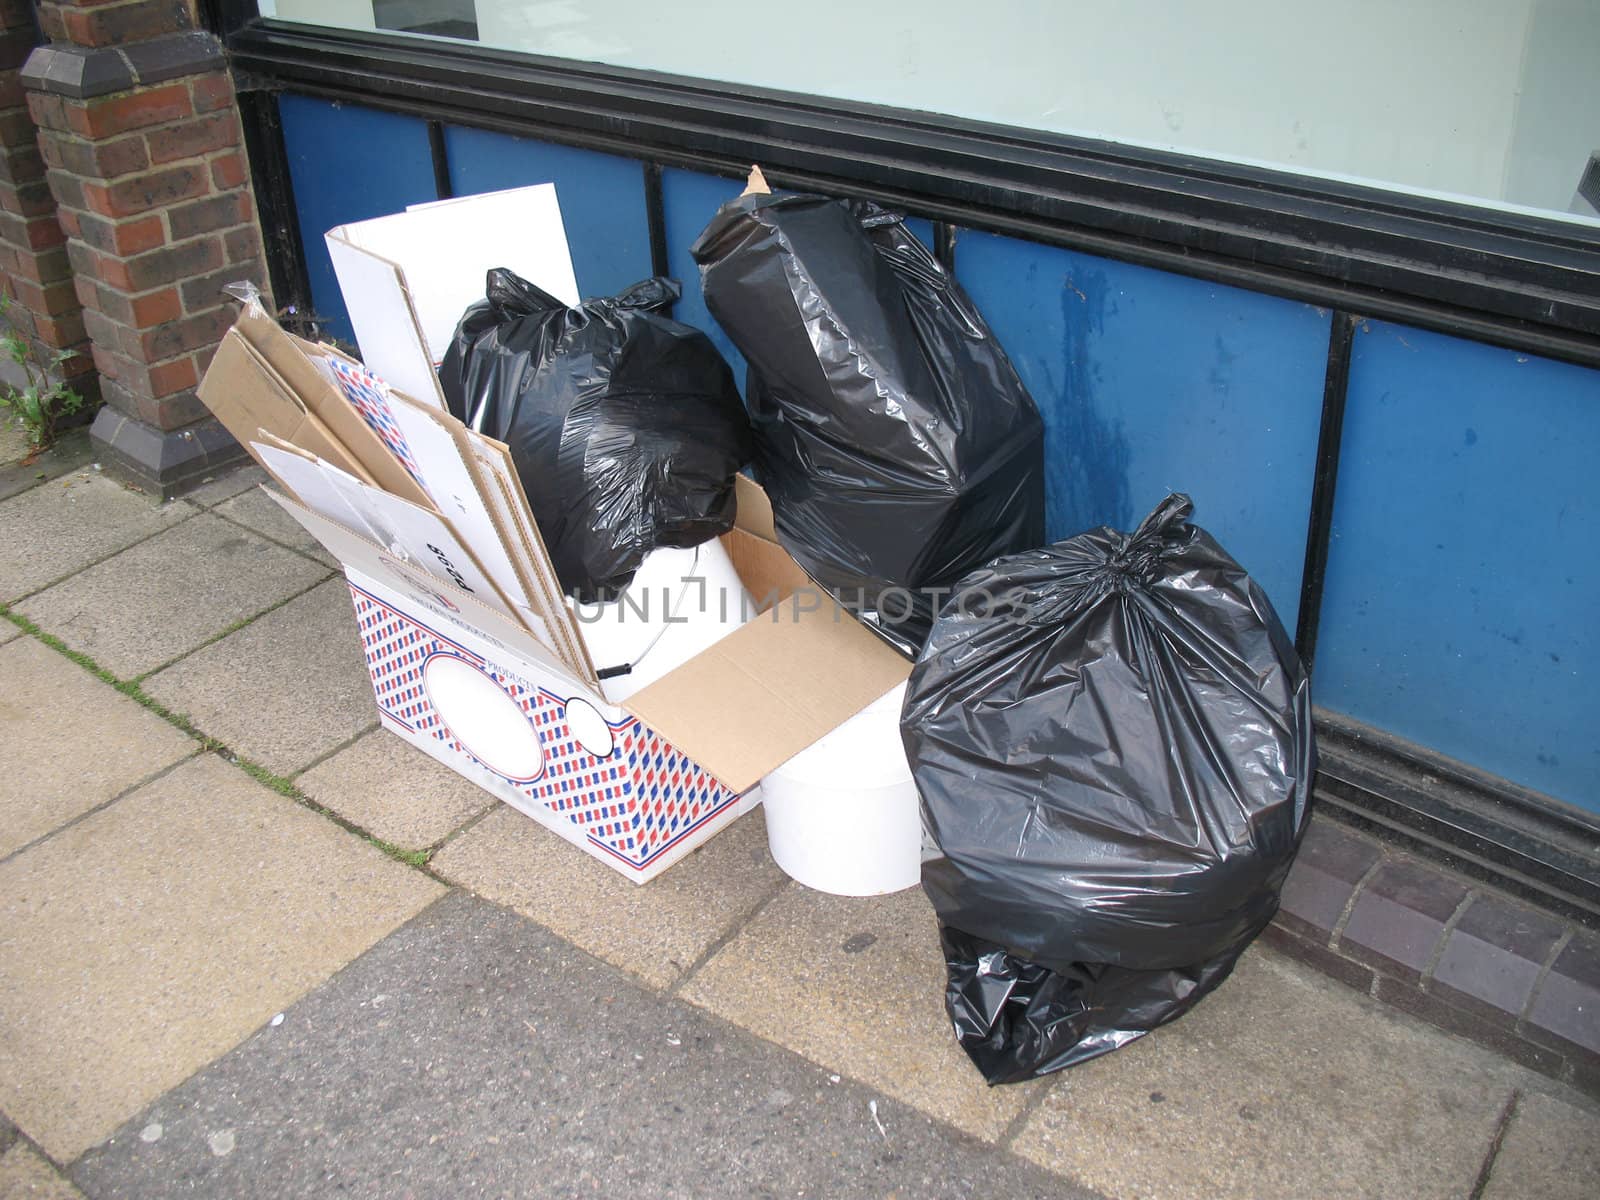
1134, 566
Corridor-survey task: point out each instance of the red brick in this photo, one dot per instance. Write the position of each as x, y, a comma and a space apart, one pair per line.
54, 299
208, 215
58, 332
119, 113
11, 92
21, 164
31, 233
173, 376
205, 292
141, 193
47, 111
162, 266
228, 171
95, 160
190, 139
112, 25
179, 337
242, 244
155, 308
16, 127
128, 237
51, 24
172, 412
28, 199
66, 187
212, 92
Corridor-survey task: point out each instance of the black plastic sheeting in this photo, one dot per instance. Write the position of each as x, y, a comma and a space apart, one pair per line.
625, 426
1112, 740
898, 445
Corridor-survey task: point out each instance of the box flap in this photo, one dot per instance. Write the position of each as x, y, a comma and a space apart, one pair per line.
285, 355
769, 689
247, 395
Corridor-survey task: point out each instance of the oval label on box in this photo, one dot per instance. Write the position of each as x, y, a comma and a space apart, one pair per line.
483, 718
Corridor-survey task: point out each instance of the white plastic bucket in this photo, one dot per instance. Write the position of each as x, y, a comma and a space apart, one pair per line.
842, 815
699, 591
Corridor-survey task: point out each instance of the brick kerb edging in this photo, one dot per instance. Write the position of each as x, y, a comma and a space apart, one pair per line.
1445, 948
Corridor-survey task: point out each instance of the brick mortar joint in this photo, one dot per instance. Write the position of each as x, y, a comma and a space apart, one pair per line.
1561, 944
1467, 902
1337, 932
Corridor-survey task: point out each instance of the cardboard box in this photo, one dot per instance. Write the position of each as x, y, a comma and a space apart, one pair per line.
475, 656
641, 784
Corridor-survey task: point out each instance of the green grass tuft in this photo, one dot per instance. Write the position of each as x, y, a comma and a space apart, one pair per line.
278, 783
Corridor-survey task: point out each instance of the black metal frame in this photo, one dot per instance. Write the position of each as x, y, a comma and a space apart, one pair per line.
1509, 279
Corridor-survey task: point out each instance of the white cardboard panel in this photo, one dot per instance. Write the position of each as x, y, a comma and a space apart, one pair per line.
444, 250
380, 312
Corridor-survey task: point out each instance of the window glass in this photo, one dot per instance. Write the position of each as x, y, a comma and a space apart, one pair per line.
1494, 101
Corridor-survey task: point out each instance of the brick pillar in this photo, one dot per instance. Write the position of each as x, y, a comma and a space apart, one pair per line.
34, 271
139, 130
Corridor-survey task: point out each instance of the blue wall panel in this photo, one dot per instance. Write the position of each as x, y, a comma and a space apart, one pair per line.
1151, 382
690, 200
349, 163
602, 199
1464, 581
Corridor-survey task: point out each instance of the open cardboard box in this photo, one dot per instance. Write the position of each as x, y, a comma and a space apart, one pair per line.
640, 784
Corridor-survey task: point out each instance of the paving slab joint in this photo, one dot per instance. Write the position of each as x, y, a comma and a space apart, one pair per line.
1538, 984
267, 537
193, 512
1496, 1141
727, 936
1337, 931
417, 859
241, 623
1444, 938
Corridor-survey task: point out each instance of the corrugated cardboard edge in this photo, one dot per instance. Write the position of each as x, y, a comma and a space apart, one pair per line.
770, 689
371, 559
290, 359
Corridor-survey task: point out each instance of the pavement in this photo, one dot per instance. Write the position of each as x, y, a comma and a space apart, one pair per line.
253, 945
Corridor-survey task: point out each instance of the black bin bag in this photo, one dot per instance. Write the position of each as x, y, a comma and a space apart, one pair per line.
1112, 741
898, 445
625, 426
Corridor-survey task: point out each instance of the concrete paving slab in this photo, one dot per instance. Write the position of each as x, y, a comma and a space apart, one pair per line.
72, 451
1551, 1150
69, 742
473, 1053
657, 931
394, 791
158, 600
152, 936
8, 632
62, 526
857, 985
13, 441
1277, 1085
285, 689
26, 1173
254, 510
230, 483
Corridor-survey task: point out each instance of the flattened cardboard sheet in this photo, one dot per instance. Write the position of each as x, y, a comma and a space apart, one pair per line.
247, 395
289, 357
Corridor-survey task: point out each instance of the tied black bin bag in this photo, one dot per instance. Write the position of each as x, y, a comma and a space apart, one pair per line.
625, 426
898, 446
1112, 740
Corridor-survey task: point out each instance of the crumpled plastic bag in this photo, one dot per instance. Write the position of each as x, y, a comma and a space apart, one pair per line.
1112, 740
625, 426
898, 445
